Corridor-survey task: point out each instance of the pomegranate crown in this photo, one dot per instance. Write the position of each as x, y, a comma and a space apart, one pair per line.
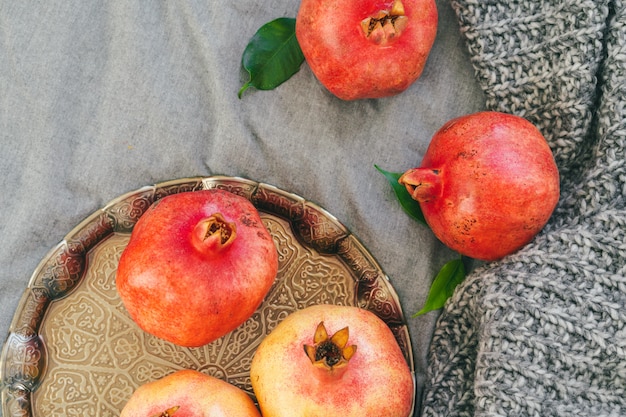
213, 234
385, 25
330, 352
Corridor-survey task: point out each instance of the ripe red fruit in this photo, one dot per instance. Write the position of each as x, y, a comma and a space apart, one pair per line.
198, 264
189, 393
329, 360
366, 48
487, 185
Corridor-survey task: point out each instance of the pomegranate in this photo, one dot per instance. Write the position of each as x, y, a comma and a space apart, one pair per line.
189, 393
197, 265
329, 360
366, 48
487, 184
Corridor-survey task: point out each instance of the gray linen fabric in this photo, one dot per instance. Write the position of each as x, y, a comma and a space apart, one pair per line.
543, 332
101, 98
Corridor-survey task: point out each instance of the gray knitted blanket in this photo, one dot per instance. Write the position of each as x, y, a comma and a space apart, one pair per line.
543, 332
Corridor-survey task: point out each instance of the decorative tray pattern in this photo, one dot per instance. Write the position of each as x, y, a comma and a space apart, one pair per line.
72, 349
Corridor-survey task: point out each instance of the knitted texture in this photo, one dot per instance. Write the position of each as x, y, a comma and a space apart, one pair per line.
543, 331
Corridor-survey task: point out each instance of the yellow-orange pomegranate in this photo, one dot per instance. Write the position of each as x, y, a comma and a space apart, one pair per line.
189, 393
329, 360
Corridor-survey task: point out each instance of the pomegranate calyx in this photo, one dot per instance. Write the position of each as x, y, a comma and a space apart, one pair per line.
330, 352
213, 234
423, 184
385, 25
168, 413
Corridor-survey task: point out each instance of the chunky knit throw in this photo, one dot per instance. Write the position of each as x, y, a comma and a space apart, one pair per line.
543, 332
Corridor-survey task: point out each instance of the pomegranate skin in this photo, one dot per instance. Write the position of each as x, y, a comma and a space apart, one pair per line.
376, 381
189, 393
354, 65
487, 184
191, 291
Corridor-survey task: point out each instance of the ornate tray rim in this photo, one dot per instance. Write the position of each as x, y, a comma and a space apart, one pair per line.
63, 268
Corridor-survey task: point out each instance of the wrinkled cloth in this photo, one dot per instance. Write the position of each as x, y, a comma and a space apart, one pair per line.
98, 99
543, 332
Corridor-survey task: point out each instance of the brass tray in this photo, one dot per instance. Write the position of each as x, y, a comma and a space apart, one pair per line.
72, 349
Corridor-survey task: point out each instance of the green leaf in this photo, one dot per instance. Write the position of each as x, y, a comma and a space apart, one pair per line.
273, 55
410, 206
450, 275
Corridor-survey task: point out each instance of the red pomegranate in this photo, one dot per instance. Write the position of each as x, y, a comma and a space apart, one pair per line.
329, 360
189, 393
487, 185
366, 48
198, 264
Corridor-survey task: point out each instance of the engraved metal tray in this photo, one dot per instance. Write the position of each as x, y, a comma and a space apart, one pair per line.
72, 349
